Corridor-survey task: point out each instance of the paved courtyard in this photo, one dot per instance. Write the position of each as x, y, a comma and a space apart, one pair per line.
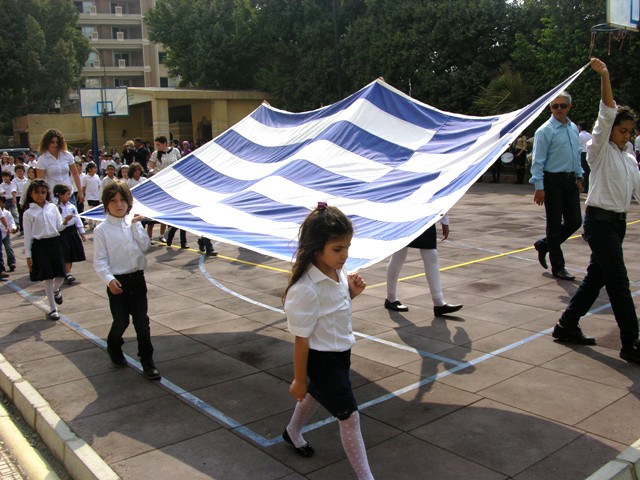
482, 394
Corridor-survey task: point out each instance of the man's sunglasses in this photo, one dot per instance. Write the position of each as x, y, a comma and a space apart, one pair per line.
561, 106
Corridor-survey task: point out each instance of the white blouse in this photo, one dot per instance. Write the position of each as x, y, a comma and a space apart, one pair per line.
39, 223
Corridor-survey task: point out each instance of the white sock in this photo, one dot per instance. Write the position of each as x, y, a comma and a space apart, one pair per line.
48, 290
301, 416
57, 283
432, 272
353, 445
393, 273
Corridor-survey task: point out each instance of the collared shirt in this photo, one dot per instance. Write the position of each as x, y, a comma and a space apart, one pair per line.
167, 158
10, 221
584, 139
556, 148
56, 170
319, 308
119, 248
19, 184
132, 182
91, 185
39, 223
106, 180
70, 209
614, 174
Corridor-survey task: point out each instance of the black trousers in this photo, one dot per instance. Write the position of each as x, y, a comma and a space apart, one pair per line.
131, 302
562, 206
605, 232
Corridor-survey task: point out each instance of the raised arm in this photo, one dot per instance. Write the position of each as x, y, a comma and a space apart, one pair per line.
601, 69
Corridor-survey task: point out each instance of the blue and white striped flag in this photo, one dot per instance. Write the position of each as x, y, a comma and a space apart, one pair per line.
392, 164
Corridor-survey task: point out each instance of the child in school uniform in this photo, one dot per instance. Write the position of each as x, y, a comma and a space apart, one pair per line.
20, 183
119, 260
135, 175
318, 307
6, 234
91, 188
73, 235
110, 175
42, 246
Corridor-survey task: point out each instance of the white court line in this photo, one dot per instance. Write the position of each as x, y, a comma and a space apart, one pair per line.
233, 424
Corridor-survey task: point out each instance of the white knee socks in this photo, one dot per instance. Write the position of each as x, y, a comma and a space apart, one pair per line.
432, 272
51, 286
301, 416
393, 273
353, 445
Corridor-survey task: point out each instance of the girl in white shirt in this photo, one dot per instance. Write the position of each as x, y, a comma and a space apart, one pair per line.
318, 308
72, 236
42, 246
135, 175
119, 260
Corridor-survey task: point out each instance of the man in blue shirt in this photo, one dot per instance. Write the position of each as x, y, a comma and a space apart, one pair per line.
557, 173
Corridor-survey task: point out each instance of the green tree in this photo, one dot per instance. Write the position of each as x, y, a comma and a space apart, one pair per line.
42, 54
440, 52
506, 93
209, 43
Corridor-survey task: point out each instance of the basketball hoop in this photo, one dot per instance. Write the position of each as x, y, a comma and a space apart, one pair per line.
616, 34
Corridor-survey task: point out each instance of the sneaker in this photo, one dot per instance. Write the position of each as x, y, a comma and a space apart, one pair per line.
57, 296
571, 335
69, 279
631, 353
162, 240
54, 315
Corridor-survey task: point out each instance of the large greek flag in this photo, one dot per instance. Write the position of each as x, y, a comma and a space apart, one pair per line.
392, 164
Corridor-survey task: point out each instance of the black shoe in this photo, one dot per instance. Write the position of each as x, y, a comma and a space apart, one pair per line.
54, 316
184, 245
201, 245
304, 451
12, 268
151, 372
631, 353
211, 253
69, 279
57, 297
542, 254
571, 335
446, 308
562, 274
395, 306
117, 358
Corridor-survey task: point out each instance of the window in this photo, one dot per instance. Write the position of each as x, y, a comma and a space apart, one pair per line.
118, 9
121, 82
164, 82
118, 57
162, 56
93, 83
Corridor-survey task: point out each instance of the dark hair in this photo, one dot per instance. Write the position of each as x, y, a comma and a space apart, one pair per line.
60, 189
161, 139
624, 114
114, 187
19, 167
6, 173
91, 165
322, 225
119, 174
46, 138
34, 185
3, 199
134, 167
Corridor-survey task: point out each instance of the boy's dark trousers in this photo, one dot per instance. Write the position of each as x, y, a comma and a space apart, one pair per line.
132, 301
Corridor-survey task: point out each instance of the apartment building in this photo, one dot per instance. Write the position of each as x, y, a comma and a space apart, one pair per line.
122, 55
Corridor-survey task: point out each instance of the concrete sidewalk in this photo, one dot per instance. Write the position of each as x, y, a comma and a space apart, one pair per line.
485, 394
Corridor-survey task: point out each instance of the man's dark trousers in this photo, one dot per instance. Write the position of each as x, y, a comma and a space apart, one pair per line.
561, 202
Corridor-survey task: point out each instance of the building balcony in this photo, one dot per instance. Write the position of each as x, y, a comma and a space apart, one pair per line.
115, 44
109, 19
117, 71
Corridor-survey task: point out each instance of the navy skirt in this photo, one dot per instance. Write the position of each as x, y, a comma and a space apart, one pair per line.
47, 259
72, 247
329, 382
427, 240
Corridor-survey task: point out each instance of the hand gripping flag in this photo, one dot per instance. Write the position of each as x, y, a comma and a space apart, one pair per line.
394, 165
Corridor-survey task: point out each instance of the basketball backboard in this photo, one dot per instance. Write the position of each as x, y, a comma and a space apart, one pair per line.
623, 13
97, 102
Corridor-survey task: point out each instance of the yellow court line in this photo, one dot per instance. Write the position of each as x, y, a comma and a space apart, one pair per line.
411, 277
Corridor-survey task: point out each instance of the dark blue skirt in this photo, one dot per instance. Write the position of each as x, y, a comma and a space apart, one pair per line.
72, 247
329, 382
47, 259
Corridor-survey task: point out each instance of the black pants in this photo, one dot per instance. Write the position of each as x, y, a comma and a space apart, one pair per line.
587, 171
172, 233
131, 302
562, 206
605, 232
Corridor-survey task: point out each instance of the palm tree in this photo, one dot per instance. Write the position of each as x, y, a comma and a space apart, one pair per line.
505, 93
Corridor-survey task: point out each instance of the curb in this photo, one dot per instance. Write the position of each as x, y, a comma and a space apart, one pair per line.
77, 456
626, 466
